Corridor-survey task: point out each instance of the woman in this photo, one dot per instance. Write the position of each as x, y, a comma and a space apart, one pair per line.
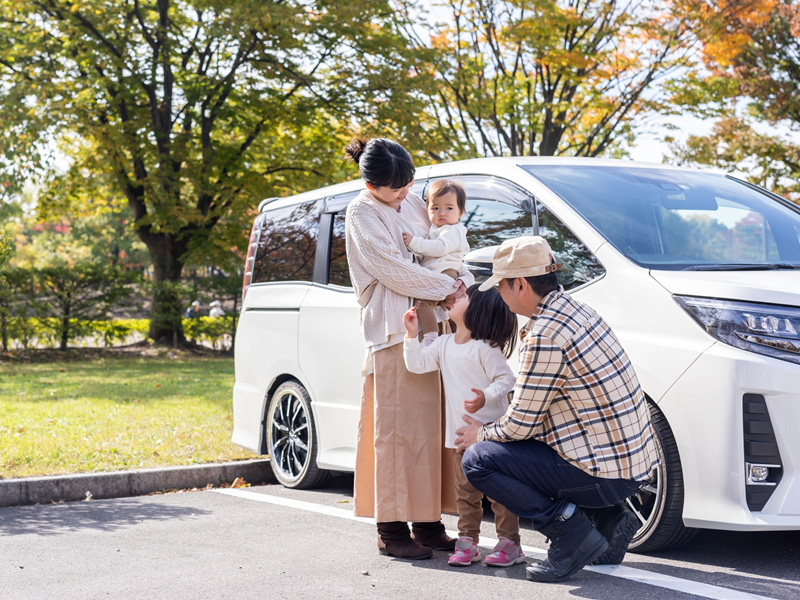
399, 456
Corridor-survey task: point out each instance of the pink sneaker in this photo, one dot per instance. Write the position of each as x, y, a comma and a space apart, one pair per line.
504, 554
466, 553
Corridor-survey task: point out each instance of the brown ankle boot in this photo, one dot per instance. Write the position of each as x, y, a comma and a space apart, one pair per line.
395, 540
433, 536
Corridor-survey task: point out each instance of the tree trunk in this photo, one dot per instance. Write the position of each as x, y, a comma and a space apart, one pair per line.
66, 312
166, 311
4, 328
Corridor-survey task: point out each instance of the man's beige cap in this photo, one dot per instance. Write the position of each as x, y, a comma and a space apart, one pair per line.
525, 256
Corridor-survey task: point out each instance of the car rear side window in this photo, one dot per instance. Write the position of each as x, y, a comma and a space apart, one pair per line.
340, 272
287, 244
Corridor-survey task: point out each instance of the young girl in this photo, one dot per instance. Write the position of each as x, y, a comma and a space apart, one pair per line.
477, 380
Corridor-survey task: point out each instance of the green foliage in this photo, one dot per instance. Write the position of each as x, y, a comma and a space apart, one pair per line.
213, 330
61, 299
190, 111
30, 332
119, 330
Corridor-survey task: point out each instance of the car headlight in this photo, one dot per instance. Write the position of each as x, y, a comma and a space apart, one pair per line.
762, 328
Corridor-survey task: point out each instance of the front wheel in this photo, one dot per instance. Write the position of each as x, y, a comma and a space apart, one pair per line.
659, 503
292, 438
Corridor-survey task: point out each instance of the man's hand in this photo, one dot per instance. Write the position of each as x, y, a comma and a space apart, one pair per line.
460, 290
467, 435
411, 322
473, 405
407, 238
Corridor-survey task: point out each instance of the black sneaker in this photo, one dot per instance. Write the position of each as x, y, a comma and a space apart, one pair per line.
618, 525
574, 543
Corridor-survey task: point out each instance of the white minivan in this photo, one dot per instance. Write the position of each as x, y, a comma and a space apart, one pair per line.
697, 273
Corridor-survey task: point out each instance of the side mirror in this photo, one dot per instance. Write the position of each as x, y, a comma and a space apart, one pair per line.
479, 262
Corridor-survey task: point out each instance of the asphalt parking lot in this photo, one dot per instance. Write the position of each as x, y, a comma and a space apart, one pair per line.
271, 542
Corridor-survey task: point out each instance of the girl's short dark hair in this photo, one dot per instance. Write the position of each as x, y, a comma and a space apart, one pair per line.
489, 319
440, 187
382, 162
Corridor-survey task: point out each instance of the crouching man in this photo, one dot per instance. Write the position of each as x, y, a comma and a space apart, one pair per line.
576, 440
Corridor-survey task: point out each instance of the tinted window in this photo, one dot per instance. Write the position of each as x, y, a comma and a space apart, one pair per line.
490, 223
287, 244
497, 210
340, 272
580, 265
670, 219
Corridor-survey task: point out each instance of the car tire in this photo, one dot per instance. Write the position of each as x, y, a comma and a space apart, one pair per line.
292, 438
659, 503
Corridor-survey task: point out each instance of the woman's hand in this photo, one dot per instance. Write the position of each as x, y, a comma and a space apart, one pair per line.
473, 405
450, 300
410, 322
407, 237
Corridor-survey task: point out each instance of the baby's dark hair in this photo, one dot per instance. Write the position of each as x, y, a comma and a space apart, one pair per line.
382, 162
489, 319
440, 187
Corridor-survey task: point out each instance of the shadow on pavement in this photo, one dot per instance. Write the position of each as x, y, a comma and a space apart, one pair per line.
58, 519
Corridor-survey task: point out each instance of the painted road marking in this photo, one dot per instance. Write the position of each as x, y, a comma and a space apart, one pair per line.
640, 576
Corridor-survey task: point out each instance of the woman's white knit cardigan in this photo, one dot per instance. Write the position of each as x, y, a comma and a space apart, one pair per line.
381, 267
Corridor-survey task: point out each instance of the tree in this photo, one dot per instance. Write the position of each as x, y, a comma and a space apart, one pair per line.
192, 110
525, 77
734, 145
752, 53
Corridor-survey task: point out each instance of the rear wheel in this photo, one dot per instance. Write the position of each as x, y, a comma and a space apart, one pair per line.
659, 503
292, 438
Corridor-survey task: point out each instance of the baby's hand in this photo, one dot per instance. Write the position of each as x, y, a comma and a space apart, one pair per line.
475, 404
410, 322
407, 237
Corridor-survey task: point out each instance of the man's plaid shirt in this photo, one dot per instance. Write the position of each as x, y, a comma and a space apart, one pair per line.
578, 393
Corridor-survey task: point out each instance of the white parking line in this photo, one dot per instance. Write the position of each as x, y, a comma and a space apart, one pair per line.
655, 579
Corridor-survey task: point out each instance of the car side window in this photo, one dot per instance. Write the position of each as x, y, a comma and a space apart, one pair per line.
287, 243
339, 272
580, 265
497, 210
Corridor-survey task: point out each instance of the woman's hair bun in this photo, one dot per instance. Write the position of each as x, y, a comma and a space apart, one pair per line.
355, 149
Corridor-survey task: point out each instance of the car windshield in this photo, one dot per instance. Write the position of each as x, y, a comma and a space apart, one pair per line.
671, 219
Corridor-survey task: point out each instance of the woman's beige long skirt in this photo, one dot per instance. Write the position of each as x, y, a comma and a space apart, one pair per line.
403, 471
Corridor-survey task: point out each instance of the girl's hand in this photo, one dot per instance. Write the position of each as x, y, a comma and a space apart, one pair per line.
410, 322
407, 238
460, 290
473, 405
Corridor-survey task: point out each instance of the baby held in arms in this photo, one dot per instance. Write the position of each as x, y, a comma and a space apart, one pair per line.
444, 249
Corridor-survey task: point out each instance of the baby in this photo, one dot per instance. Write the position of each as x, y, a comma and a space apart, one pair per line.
445, 247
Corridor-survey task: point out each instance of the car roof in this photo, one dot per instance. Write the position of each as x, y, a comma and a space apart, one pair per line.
489, 165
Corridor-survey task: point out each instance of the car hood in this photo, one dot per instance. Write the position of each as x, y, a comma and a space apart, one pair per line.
771, 287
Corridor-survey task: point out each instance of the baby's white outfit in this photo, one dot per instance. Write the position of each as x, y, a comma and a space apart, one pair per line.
444, 248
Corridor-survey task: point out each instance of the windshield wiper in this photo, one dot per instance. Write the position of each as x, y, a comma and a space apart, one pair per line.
742, 267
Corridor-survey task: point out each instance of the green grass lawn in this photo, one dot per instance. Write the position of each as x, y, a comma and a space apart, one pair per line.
115, 412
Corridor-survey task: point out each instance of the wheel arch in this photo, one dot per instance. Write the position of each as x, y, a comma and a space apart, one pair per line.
669, 531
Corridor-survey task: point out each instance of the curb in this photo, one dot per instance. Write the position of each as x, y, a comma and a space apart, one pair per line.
122, 484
